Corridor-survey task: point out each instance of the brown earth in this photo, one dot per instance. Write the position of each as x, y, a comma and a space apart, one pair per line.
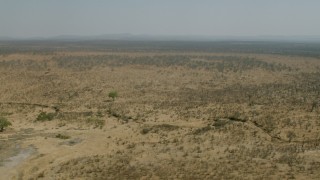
178, 115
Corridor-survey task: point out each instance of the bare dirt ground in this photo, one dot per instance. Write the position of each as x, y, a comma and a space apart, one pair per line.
178, 115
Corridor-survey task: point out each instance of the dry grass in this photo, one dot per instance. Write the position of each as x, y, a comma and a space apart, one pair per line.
178, 115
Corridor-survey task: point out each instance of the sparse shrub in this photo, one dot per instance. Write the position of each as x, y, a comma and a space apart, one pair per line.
61, 136
99, 114
114, 113
166, 127
43, 116
290, 159
220, 123
157, 128
119, 115
202, 130
291, 135
113, 95
237, 117
145, 130
4, 123
314, 105
268, 123
96, 122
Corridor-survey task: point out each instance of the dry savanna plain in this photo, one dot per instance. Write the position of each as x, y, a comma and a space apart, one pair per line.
177, 111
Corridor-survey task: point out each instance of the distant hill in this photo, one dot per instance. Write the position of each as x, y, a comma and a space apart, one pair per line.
146, 37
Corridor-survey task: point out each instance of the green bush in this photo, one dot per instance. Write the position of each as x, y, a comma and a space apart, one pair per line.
113, 95
43, 116
4, 123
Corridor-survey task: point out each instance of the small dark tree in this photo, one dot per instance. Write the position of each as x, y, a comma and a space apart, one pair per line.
113, 95
4, 123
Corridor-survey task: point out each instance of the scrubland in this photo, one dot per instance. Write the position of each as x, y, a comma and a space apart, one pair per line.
179, 113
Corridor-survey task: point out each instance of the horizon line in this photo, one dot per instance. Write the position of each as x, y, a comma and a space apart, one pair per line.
169, 37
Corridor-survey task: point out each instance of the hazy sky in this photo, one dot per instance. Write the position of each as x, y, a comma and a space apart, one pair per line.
28, 18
